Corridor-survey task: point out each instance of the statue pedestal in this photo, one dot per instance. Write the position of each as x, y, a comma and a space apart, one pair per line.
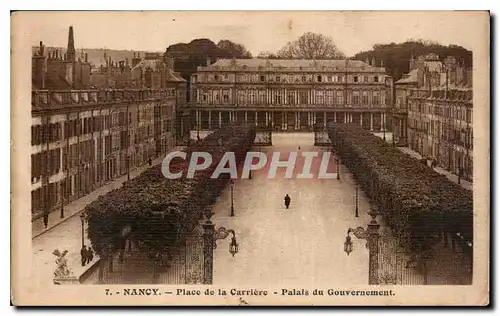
66, 280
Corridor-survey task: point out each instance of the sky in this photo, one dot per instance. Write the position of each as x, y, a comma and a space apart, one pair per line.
258, 31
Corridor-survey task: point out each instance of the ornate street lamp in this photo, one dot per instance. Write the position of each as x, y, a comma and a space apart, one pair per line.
210, 237
348, 244
232, 198
371, 235
233, 246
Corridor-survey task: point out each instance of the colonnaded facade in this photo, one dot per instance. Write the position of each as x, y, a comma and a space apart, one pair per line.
290, 95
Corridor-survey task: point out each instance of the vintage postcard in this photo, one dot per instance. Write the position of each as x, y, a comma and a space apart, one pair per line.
250, 158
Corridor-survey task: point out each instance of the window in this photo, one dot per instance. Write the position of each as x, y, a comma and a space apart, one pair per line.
204, 97
329, 78
375, 99
216, 78
226, 98
339, 78
278, 78
226, 77
194, 78
365, 78
355, 97
340, 97
318, 78
303, 78
356, 78
375, 79
365, 97
262, 78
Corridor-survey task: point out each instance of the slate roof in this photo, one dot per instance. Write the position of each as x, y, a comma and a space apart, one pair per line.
293, 63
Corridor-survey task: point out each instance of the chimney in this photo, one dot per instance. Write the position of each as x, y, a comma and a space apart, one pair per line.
71, 53
40, 51
86, 58
208, 61
136, 60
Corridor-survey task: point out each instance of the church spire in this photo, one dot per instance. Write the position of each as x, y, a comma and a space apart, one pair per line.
71, 45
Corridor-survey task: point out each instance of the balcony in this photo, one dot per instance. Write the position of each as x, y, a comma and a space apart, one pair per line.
249, 106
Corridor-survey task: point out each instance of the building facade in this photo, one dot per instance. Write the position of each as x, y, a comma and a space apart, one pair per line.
436, 100
84, 138
289, 95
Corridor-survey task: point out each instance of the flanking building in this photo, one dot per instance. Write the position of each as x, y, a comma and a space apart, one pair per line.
289, 95
85, 135
433, 112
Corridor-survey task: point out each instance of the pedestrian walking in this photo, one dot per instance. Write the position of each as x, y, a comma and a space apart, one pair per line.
90, 255
46, 218
150, 161
287, 201
83, 254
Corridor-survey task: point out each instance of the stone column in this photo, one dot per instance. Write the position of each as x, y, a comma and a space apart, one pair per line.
267, 118
208, 251
256, 119
209, 119
371, 121
373, 237
246, 116
220, 119
345, 117
335, 117
324, 119
361, 119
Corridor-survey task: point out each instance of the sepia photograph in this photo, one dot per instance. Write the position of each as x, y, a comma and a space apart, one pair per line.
250, 158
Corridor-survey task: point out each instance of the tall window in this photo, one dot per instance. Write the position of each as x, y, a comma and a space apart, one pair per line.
356, 79
318, 78
355, 97
365, 97
340, 97
376, 98
262, 78
375, 79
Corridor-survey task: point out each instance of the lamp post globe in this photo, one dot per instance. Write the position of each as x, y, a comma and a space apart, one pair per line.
348, 245
233, 246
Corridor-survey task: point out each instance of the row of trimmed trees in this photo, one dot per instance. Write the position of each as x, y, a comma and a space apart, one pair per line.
155, 212
419, 204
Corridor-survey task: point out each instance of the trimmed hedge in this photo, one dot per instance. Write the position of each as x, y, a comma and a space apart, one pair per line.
154, 211
417, 202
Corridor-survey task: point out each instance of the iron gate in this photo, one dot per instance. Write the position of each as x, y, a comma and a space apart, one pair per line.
263, 137
321, 136
440, 265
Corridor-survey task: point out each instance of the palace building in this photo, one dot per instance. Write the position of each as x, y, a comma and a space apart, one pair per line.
289, 95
